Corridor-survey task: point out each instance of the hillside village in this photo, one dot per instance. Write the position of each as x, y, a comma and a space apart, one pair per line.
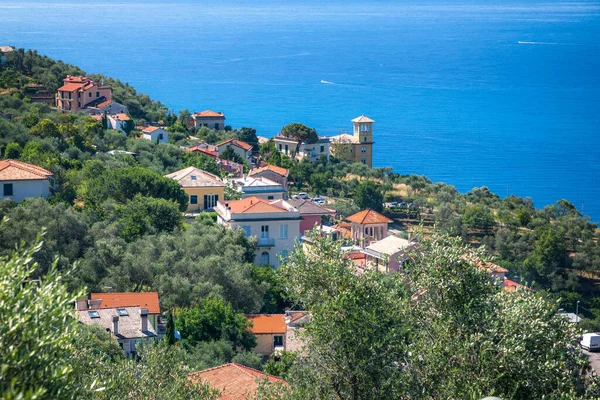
259, 203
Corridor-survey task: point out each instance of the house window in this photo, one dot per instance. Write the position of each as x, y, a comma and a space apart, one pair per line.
246, 229
217, 126
364, 161
193, 177
8, 189
363, 149
280, 146
322, 149
97, 94
364, 139
94, 314
160, 136
90, 94
264, 258
270, 198
277, 340
122, 312
286, 149
194, 199
210, 200
264, 231
283, 232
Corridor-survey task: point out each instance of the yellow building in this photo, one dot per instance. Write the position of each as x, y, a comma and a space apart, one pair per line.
357, 147
203, 188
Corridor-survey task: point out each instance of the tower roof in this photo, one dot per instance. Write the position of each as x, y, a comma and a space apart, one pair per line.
362, 118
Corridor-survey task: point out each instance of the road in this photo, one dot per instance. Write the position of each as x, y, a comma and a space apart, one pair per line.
594, 360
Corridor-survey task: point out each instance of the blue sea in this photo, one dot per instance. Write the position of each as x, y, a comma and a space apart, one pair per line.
504, 94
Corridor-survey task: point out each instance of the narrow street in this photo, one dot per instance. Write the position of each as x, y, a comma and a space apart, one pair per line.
594, 358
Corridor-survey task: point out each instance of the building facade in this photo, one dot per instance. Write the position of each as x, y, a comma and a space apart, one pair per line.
368, 226
204, 189
78, 91
155, 134
357, 147
19, 180
211, 119
274, 173
274, 223
312, 151
270, 331
242, 149
260, 187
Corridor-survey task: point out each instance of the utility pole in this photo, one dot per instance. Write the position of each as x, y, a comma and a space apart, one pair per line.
577, 313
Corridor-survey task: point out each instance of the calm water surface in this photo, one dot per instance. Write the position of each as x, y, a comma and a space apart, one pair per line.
502, 94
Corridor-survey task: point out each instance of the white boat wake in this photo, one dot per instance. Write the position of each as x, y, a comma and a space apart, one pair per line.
327, 82
547, 43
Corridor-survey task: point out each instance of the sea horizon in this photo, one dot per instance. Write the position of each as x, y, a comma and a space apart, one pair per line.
504, 95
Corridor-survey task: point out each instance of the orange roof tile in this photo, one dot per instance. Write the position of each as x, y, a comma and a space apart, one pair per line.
345, 229
70, 87
511, 286
273, 168
147, 300
253, 205
234, 381
104, 104
13, 170
198, 149
121, 116
97, 117
366, 217
209, 113
151, 129
267, 323
235, 142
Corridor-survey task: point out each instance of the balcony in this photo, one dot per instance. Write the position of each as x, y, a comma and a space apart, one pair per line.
266, 242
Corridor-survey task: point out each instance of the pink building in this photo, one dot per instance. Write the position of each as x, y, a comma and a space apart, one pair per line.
311, 214
78, 91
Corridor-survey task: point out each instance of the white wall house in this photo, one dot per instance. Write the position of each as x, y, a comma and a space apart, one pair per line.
118, 122
242, 149
275, 224
19, 180
156, 134
211, 119
312, 151
260, 187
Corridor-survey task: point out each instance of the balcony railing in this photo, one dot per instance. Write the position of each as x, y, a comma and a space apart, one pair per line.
266, 242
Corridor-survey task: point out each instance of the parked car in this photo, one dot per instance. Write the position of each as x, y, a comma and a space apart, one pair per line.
590, 341
393, 204
319, 200
303, 196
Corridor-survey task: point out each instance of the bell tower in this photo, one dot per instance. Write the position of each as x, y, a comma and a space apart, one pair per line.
363, 129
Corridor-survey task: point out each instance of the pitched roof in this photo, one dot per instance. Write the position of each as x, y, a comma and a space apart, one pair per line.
194, 177
267, 323
151, 129
13, 170
147, 300
362, 118
251, 182
389, 245
120, 116
344, 228
209, 113
198, 149
254, 205
234, 381
366, 217
273, 168
307, 207
70, 87
235, 142
129, 326
511, 286
104, 103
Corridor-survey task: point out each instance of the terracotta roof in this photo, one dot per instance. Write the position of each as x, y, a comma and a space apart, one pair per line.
194, 177
345, 229
121, 117
366, 217
151, 129
234, 381
235, 142
511, 286
70, 87
13, 170
103, 104
273, 168
198, 149
267, 323
97, 117
362, 118
209, 113
147, 300
253, 205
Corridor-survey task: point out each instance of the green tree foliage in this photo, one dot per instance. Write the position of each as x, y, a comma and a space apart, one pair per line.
170, 334
248, 135
46, 128
549, 252
231, 155
300, 132
96, 340
13, 151
145, 215
213, 319
282, 366
368, 195
37, 336
275, 300
123, 184
478, 216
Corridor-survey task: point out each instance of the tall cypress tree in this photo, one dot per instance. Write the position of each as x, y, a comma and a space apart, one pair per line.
170, 334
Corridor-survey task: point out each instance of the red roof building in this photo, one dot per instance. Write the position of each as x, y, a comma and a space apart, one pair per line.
79, 91
208, 118
13, 170
270, 331
147, 300
19, 180
234, 381
368, 226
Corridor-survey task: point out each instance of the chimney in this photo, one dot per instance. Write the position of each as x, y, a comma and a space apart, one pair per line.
144, 314
115, 325
95, 304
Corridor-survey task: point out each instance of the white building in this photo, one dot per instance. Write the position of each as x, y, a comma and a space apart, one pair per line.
19, 180
156, 134
211, 119
118, 122
275, 224
313, 151
260, 187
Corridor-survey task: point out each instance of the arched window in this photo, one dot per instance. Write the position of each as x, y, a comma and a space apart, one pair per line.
264, 258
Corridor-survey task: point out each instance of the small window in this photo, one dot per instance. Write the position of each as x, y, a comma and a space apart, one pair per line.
194, 199
264, 231
160, 136
193, 177
364, 160
97, 94
8, 189
90, 94
94, 314
363, 149
122, 312
278, 341
322, 149
270, 198
280, 147
283, 231
217, 126
264, 258
364, 139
